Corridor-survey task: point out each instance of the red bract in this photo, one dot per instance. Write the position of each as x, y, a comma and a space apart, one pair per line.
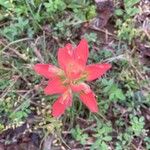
70, 77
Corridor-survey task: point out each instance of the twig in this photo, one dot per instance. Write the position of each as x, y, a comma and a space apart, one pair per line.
102, 117
66, 132
15, 42
8, 89
68, 147
122, 56
101, 30
15, 51
132, 65
133, 146
139, 146
89, 128
18, 54
37, 52
24, 102
47, 145
3, 24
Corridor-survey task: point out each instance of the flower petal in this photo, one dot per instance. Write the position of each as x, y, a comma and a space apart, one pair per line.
47, 70
65, 56
74, 70
86, 95
81, 52
89, 100
95, 71
61, 104
80, 87
58, 108
55, 86
68, 63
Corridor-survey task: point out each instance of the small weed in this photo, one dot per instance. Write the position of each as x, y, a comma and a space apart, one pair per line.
91, 37
79, 135
125, 23
102, 136
112, 89
31, 32
137, 125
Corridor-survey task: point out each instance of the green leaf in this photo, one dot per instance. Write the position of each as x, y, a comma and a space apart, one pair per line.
132, 11
119, 12
104, 146
107, 138
120, 95
130, 3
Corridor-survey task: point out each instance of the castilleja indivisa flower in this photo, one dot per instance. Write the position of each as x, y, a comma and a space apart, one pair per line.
70, 77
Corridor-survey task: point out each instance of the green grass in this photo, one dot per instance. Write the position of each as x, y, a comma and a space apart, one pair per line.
32, 32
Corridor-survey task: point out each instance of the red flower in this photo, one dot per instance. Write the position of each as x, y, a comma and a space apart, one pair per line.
70, 77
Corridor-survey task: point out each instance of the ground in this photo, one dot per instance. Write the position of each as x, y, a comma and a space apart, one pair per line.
118, 32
